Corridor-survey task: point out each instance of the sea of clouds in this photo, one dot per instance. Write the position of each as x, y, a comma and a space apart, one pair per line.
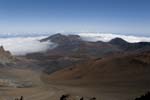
109, 36
24, 45
21, 45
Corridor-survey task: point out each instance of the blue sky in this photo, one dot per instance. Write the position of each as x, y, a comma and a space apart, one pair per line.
116, 16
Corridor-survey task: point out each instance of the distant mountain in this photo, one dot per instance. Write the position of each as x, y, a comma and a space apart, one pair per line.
119, 42
59, 38
129, 47
71, 50
74, 45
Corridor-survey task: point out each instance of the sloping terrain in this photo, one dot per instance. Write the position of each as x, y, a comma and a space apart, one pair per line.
5, 56
130, 47
15, 83
71, 49
121, 77
114, 70
123, 67
73, 45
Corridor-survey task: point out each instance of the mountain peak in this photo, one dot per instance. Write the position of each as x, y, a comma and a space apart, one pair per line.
118, 41
60, 38
5, 56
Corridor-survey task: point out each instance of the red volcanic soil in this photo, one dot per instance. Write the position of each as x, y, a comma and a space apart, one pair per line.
128, 67
121, 77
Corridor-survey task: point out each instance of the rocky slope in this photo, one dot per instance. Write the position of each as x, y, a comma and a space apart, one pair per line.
130, 47
73, 45
5, 56
119, 77
132, 67
71, 49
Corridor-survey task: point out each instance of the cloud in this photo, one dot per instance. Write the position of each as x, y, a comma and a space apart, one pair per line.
24, 45
108, 36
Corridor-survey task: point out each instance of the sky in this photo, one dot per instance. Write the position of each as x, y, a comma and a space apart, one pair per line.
115, 16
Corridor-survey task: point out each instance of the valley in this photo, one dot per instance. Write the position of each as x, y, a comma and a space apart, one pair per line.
114, 70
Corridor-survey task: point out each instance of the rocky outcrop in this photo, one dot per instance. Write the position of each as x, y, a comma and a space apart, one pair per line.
5, 56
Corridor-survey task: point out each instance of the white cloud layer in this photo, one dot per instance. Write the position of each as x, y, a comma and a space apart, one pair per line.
24, 45
108, 36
